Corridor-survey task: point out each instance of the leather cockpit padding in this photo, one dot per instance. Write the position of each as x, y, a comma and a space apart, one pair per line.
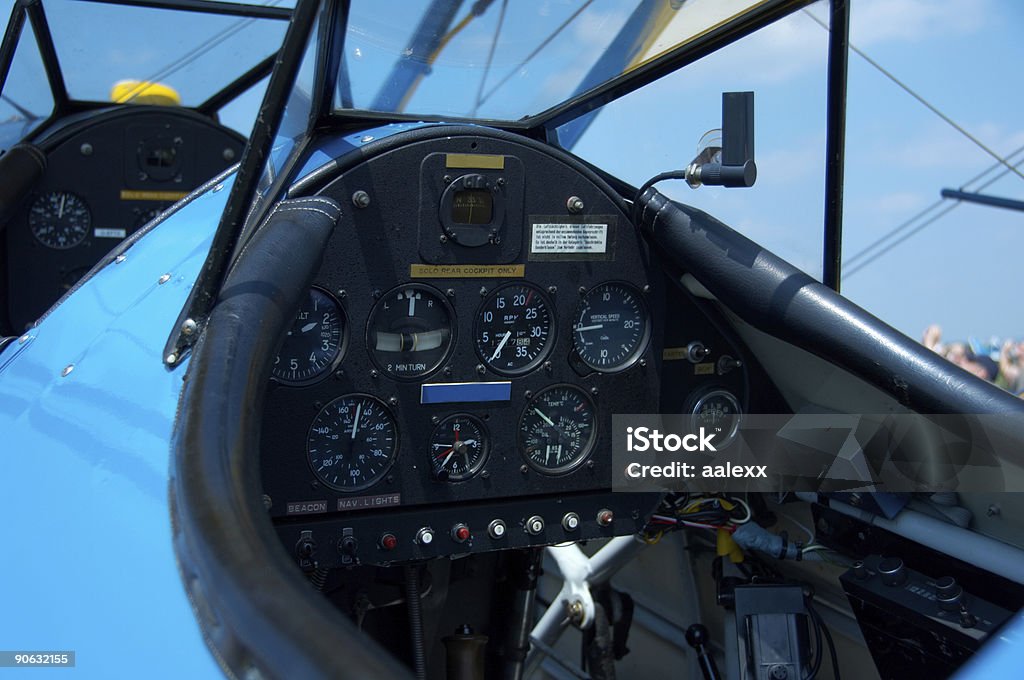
781, 300
22, 166
258, 613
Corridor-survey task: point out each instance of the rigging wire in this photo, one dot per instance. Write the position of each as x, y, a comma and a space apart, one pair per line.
547, 41
193, 54
490, 57
857, 267
931, 107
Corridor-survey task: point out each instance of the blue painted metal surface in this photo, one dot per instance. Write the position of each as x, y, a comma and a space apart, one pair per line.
86, 413
85, 538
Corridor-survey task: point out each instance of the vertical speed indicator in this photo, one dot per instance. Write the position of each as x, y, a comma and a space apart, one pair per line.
514, 329
611, 327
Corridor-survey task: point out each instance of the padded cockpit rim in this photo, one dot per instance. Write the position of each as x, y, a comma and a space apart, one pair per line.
255, 609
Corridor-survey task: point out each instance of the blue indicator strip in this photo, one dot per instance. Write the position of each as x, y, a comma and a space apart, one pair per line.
448, 393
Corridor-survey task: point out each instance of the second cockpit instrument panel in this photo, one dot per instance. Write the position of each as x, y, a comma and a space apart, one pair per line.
482, 310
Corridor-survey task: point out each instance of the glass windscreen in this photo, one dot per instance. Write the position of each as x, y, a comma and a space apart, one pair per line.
502, 60
26, 100
124, 53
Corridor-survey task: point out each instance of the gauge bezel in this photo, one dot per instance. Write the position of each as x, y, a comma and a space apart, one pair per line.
588, 448
342, 348
485, 446
44, 196
645, 339
552, 329
453, 325
718, 392
395, 450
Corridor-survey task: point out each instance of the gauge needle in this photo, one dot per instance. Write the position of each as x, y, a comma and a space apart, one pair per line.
355, 423
451, 452
501, 346
544, 417
308, 327
589, 328
60, 212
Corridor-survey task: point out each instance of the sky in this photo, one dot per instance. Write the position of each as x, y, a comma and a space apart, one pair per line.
964, 271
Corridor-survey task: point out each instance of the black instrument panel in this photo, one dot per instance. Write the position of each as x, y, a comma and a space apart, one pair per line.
498, 307
108, 174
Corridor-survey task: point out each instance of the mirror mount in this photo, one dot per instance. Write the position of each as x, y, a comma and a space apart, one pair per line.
732, 165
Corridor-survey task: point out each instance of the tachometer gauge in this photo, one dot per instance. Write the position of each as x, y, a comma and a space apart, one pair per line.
557, 430
611, 327
458, 447
352, 442
410, 331
514, 329
314, 343
59, 219
719, 413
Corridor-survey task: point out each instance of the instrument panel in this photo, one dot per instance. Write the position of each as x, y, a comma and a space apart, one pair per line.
482, 310
108, 174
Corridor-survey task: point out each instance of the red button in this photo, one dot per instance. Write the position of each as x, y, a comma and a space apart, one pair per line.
461, 533
388, 541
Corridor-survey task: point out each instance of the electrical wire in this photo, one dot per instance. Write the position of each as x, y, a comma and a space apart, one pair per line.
830, 643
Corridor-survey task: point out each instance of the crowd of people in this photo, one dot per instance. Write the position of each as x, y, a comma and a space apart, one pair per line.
999, 362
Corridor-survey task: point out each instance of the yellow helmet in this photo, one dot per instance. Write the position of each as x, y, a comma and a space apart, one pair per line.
144, 92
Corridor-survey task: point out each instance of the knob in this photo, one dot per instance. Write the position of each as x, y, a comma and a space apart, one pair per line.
892, 571
948, 594
571, 521
460, 533
535, 525
605, 517
860, 570
388, 541
496, 529
425, 536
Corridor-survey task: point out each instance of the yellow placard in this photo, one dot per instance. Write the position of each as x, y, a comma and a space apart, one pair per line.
673, 353
474, 160
467, 271
130, 195
704, 369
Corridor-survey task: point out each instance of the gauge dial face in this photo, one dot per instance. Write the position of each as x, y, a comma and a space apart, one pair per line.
314, 343
611, 327
352, 442
410, 331
514, 330
458, 447
59, 219
557, 429
719, 413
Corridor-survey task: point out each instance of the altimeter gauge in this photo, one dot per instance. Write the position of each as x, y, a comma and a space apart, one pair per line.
352, 442
458, 447
558, 429
59, 220
315, 341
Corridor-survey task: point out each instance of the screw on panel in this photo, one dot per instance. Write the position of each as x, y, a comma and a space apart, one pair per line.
267, 502
85, 149
483, 291
188, 327
164, 279
119, 259
374, 373
993, 510
366, 138
548, 367
450, 292
593, 391
447, 179
501, 181
480, 369
643, 363
527, 394
443, 238
435, 419
23, 339
393, 401
172, 358
228, 155
218, 187
342, 293
646, 288
447, 371
552, 289
361, 199
376, 294
524, 469
574, 204
581, 290
67, 370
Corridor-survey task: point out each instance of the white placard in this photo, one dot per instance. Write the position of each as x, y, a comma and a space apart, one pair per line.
564, 238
